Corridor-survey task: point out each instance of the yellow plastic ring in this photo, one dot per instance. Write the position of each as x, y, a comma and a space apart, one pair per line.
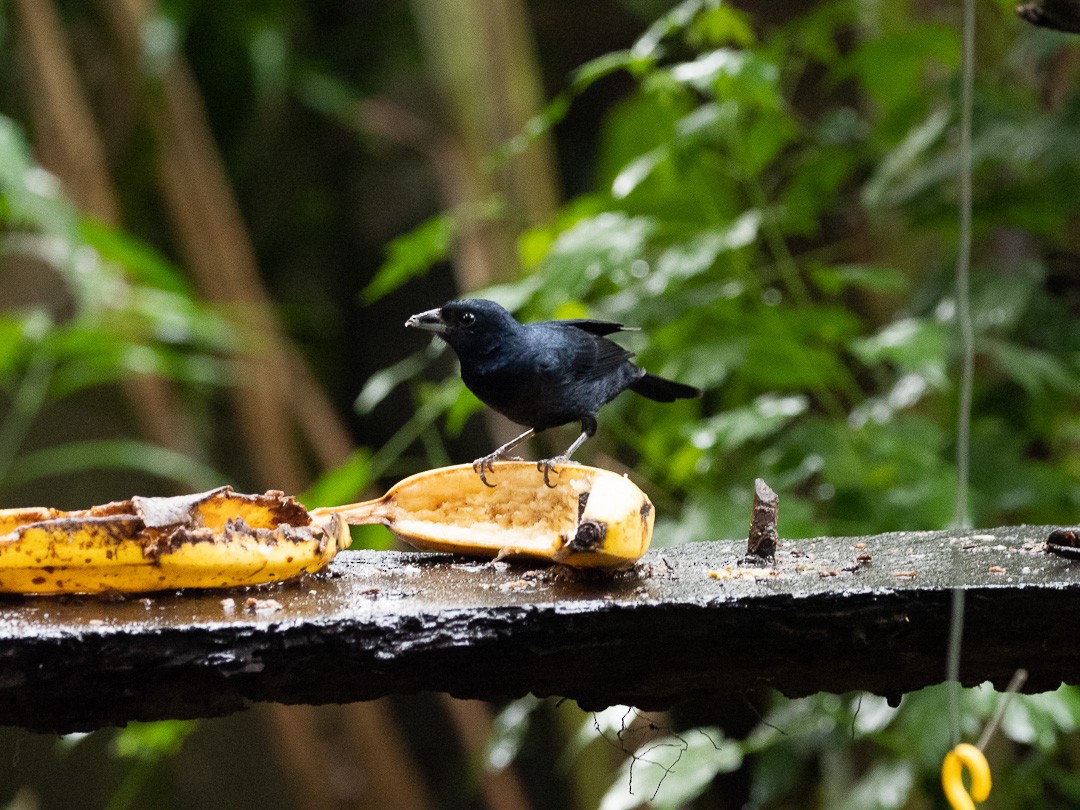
952, 779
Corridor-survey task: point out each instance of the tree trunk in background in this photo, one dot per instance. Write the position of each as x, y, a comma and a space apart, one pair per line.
273, 386
482, 55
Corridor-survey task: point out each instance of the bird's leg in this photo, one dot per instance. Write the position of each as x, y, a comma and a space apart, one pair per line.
487, 463
588, 428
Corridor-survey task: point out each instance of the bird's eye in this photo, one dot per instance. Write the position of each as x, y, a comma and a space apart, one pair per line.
467, 319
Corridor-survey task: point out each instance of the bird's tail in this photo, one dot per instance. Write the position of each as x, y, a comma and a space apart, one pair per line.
663, 390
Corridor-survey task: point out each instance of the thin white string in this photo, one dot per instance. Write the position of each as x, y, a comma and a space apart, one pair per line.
966, 332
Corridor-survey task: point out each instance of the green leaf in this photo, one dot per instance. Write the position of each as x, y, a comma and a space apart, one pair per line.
699, 253
609, 240
675, 20
379, 385
343, 484
143, 263
113, 454
702, 126
327, 94
17, 334
508, 730
411, 255
150, 742
906, 392
871, 714
94, 351
600, 247
891, 182
733, 428
814, 188
540, 124
720, 26
606, 64
268, 51
783, 361
1038, 720
598, 725
465, 404
534, 243
742, 76
887, 785
33, 197
710, 362
641, 123
764, 139
910, 343
1001, 301
671, 771
892, 65
836, 279
1035, 370
635, 171
174, 320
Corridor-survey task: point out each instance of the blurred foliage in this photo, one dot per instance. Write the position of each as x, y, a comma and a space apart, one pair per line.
796, 263
145, 745
775, 207
128, 312
779, 216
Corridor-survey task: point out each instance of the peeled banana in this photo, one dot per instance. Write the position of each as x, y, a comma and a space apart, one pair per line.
591, 518
212, 539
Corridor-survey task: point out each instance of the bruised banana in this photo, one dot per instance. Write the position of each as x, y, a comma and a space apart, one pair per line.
591, 518
210, 540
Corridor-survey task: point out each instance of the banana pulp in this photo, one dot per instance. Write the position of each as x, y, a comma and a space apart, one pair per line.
591, 518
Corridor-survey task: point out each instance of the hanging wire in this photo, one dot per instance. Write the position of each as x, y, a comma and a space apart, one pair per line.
1019, 678
963, 277
966, 332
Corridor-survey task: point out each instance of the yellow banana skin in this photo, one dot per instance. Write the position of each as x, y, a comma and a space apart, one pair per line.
591, 518
213, 539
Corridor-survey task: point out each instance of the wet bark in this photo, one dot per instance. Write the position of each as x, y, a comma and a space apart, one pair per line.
833, 614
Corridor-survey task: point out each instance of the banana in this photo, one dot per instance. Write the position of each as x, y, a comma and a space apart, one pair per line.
209, 540
591, 518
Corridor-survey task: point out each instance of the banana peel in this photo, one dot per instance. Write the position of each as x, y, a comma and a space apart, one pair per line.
591, 518
209, 540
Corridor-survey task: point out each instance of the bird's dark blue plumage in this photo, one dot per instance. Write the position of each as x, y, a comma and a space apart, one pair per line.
543, 374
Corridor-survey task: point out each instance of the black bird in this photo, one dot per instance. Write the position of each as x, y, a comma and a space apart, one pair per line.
543, 374
1061, 15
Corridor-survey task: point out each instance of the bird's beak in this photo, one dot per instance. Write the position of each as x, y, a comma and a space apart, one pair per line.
431, 321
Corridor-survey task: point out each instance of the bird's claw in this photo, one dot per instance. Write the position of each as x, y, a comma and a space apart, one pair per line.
547, 465
483, 466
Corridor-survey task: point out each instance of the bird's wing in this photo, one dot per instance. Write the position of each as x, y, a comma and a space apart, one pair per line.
578, 353
600, 360
597, 327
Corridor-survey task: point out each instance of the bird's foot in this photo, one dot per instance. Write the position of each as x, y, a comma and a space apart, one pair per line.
548, 464
484, 465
